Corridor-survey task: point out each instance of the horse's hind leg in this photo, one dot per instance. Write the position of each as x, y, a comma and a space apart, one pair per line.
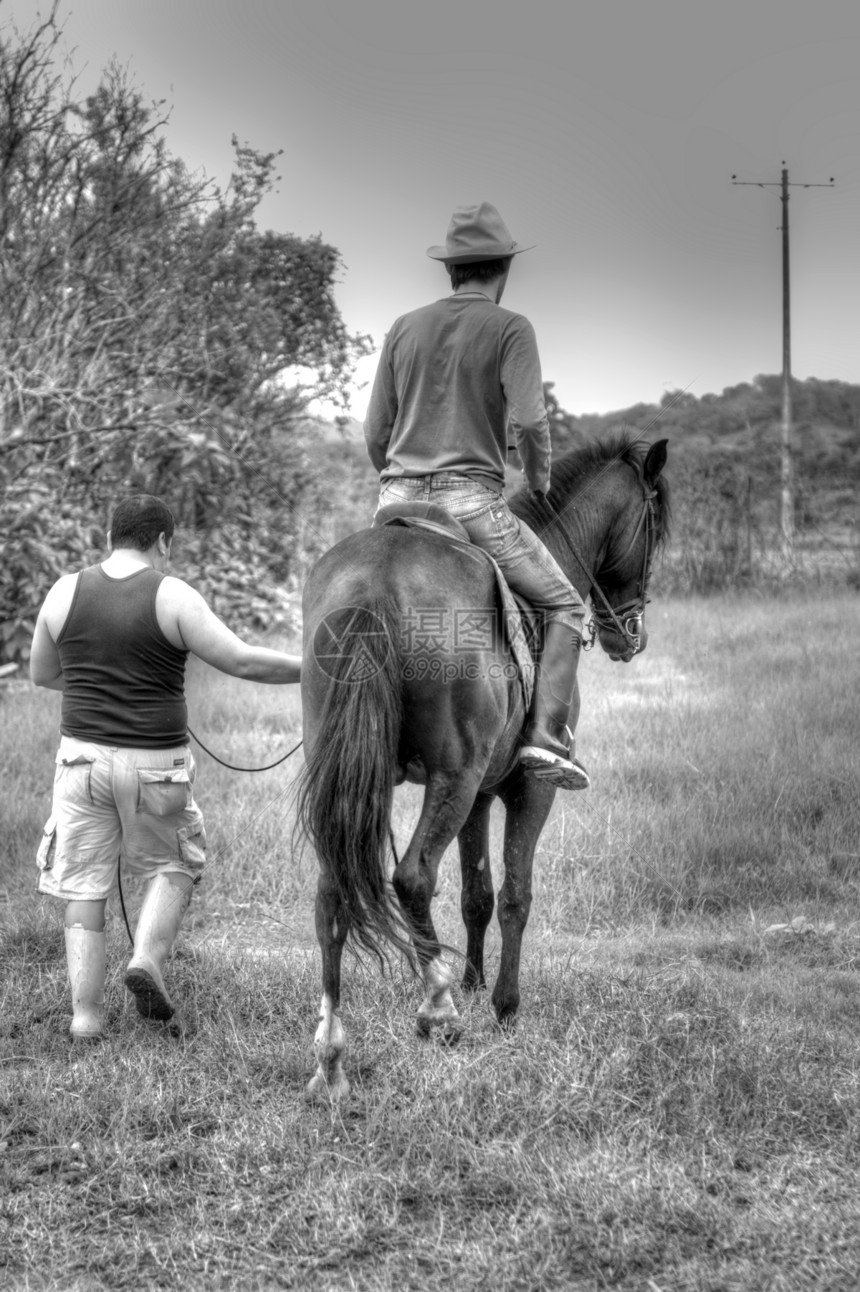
527, 800
476, 894
332, 926
448, 800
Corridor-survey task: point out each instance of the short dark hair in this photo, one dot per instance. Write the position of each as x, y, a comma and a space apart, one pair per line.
478, 271
137, 521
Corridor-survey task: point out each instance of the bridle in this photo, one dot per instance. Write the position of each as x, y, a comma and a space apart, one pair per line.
628, 618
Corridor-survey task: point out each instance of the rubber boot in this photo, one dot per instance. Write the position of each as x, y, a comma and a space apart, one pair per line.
85, 957
547, 750
164, 905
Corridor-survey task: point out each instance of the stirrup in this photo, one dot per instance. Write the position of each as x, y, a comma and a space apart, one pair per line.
563, 773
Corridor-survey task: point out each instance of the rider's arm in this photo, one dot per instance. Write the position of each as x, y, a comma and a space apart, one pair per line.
381, 412
184, 615
526, 409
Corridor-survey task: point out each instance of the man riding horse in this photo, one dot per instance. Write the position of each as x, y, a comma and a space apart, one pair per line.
455, 379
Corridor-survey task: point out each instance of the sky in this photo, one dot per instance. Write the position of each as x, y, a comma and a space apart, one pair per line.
607, 134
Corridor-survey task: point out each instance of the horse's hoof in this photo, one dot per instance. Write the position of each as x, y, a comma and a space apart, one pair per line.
506, 1021
448, 1036
445, 1030
563, 773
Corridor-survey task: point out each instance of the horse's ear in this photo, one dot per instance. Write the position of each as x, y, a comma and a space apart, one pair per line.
655, 460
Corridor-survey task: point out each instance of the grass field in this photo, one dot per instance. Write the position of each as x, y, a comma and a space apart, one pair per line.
678, 1109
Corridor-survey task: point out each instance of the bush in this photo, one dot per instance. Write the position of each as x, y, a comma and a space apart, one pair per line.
40, 540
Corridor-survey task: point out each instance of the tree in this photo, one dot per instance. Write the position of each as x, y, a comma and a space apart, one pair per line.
145, 320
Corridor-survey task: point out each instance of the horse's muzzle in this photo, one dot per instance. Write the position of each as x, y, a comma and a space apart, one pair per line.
620, 648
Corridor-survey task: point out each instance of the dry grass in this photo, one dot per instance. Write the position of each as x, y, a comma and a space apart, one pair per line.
678, 1109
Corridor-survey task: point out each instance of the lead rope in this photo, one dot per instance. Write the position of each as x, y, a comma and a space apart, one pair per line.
234, 768
122, 901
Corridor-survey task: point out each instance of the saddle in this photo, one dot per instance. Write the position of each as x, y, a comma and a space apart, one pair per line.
518, 617
425, 515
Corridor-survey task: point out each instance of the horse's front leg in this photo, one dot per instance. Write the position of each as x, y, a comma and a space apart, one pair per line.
527, 800
332, 926
476, 894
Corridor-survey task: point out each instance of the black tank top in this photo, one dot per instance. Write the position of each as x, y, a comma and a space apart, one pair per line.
124, 682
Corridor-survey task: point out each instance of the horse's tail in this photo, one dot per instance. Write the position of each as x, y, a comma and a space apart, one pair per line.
347, 787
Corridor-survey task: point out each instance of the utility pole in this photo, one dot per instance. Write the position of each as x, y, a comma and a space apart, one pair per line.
786, 472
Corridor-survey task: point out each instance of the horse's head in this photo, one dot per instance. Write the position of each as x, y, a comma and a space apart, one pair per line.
619, 591
605, 516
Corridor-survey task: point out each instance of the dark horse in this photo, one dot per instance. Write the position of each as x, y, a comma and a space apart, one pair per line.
384, 700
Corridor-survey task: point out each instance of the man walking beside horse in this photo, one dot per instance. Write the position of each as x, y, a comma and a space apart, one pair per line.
455, 379
114, 639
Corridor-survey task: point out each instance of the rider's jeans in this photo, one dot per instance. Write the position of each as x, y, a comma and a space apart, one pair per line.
523, 559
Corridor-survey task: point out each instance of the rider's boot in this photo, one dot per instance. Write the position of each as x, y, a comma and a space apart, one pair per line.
548, 744
85, 957
164, 905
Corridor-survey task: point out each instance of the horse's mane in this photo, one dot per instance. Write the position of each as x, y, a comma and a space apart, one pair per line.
571, 472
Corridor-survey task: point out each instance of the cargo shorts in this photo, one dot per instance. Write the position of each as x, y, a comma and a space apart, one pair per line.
112, 803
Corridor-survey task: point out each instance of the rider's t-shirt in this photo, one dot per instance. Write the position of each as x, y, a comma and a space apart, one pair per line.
457, 380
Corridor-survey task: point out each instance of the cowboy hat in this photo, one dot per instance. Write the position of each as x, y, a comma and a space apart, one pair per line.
476, 233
